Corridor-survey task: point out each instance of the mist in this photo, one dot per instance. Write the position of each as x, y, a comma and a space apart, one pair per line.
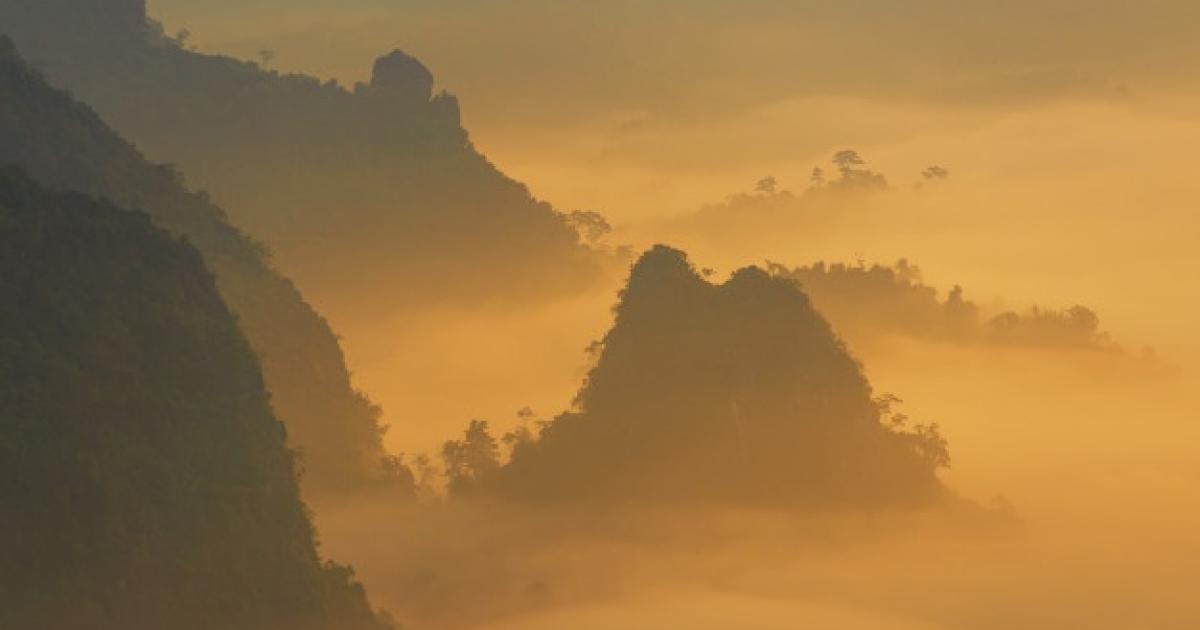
866, 315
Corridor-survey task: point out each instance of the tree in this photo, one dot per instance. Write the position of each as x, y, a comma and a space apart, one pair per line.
817, 178
935, 173
933, 448
471, 459
591, 226
846, 160
767, 186
854, 178
523, 435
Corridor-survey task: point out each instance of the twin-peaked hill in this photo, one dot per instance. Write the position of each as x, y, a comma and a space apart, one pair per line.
368, 196
64, 145
144, 481
738, 393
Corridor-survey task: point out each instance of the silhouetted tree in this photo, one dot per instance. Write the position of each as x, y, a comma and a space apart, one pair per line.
854, 178
817, 178
591, 226
767, 186
847, 160
934, 173
471, 459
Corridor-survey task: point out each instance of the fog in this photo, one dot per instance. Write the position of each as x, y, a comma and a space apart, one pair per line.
1068, 131
1069, 183
1092, 458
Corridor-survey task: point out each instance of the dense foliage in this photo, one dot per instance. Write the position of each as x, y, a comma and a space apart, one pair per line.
738, 393
63, 144
144, 481
349, 186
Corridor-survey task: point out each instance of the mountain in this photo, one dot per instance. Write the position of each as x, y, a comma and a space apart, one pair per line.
737, 393
370, 196
64, 145
144, 480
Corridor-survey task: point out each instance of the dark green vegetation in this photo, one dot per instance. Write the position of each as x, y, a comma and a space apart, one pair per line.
865, 300
144, 481
64, 145
355, 189
737, 394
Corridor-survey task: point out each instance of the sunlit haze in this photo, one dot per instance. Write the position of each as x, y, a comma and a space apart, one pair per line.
574, 314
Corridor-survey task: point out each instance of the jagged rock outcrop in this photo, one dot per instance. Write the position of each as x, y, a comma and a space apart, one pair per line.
401, 77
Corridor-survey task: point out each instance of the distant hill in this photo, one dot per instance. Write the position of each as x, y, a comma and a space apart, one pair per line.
738, 393
64, 145
371, 195
870, 300
144, 480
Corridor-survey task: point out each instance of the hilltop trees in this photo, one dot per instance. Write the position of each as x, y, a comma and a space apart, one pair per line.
853, 174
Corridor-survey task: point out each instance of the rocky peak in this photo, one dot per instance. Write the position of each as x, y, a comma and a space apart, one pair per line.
402, 76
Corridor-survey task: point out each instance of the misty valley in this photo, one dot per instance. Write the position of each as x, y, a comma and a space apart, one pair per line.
373, 315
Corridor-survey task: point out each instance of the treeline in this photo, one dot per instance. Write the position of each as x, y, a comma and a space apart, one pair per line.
847, 178
863, 299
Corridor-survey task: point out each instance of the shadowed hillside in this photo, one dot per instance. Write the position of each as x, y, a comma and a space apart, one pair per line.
144, 480
355, 189
64, 145
738, 393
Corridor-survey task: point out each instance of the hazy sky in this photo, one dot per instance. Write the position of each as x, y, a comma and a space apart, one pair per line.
626, 103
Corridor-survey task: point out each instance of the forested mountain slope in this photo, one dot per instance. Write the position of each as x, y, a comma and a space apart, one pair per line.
64, 145
144, 481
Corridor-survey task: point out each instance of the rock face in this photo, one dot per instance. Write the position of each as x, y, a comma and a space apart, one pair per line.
64, 145
738, 394
402, 77
144, 480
